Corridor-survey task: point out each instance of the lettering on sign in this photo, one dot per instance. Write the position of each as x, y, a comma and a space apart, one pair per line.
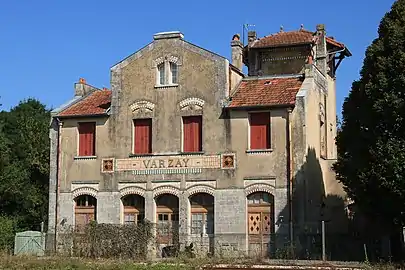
169, 163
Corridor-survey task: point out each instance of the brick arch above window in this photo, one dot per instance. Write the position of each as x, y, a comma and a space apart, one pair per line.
142, 105
84, 191
200, 189
192, 103
132, 191
166, 190
259, 188
167, 58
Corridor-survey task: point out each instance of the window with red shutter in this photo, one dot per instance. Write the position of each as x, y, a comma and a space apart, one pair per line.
192, 133
260, 131
87, 138
143, 136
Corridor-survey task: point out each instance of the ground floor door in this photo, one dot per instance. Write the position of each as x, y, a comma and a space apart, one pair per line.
260, 224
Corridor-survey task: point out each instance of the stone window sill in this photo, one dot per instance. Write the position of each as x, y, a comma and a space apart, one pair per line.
163, 86
84, 157
259, 151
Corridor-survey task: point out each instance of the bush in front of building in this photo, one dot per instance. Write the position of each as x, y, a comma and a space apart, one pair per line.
128, 241
7, 234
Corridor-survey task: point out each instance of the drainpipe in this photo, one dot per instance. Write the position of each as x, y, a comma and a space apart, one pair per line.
57, 186
289, 176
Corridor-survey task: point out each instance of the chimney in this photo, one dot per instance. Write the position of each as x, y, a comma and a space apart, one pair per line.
82, 88
321, 53
237, 51
168, 35
252, 36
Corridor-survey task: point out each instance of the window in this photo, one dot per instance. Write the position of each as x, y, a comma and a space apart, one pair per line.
192, 133
85, 211
202, 214
143, 136
134, 209
260, 130
87, 138
161, 72
173, 70
167, 73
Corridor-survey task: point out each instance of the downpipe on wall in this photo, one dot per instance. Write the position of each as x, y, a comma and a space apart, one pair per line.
289, 177
57, 184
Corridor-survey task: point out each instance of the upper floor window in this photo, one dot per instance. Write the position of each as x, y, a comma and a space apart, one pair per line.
87, 138
143, 136
173, 71
259, 130
192, 133
167, 73
161, 72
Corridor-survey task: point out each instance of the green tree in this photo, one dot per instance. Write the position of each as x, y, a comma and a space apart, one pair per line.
371, 142
24, 163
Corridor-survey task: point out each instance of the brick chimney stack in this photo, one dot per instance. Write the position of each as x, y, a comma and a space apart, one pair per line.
237, 51
82, 88
321, 52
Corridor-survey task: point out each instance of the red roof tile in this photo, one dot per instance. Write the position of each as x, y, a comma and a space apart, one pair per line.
95, 103
291, 38
266, 92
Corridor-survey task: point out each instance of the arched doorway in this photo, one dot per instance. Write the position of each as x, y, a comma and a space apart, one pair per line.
202, 221
85, 210
167, 216
260, 222
134, 209
202, 214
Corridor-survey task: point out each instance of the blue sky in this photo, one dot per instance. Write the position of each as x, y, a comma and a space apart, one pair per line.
46, 46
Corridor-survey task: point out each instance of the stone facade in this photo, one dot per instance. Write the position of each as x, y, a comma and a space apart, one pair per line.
225, 168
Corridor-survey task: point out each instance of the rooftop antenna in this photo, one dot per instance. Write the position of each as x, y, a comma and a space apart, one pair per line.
246, 28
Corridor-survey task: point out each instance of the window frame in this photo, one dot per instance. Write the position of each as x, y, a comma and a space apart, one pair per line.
201, 143
269, 130
78, 151
167, 73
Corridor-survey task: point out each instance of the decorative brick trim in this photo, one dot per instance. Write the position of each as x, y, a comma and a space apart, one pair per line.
132, 190
168, 58
200, 189
193, 103
259, 188
166, 190
142, 105
84, 191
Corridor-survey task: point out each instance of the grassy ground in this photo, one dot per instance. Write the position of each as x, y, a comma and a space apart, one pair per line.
8, 262
20, 262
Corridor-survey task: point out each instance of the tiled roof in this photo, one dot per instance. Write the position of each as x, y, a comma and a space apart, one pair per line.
291, 38
266, 92
95, 103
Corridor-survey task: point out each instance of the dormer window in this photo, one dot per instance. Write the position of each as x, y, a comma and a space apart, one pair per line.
167, 72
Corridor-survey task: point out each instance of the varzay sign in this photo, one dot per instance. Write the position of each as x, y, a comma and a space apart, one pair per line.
168, 162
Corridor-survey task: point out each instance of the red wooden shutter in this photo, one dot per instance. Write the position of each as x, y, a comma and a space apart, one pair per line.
260, 130
143, 136
192, 134
87, 134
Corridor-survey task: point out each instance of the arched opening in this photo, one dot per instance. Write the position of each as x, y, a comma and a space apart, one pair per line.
167, 216
260, 222
202, 214
134, 208
85, 210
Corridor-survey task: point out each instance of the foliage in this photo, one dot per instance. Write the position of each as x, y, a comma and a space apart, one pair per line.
371, 142
7, 229
24, 164
107, 241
